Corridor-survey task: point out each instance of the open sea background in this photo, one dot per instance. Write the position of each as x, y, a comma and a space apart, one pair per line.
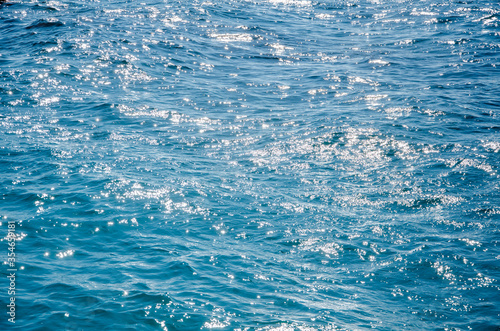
251, 165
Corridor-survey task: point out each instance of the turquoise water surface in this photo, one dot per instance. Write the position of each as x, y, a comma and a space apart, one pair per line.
251, 165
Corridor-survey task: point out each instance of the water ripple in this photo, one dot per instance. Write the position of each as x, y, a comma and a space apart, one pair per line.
251, 165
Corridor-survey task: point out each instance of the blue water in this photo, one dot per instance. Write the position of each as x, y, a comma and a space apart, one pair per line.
251, 165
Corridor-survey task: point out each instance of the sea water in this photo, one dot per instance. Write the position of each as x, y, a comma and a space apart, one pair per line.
250, 165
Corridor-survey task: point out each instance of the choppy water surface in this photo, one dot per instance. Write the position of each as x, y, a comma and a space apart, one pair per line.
252, 165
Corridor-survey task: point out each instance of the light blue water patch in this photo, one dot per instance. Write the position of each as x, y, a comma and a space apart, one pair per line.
251, 165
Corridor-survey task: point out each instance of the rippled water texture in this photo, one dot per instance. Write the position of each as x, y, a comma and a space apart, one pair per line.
251, 165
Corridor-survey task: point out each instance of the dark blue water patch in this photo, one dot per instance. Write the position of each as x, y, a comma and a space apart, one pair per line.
45, 23
44, 7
